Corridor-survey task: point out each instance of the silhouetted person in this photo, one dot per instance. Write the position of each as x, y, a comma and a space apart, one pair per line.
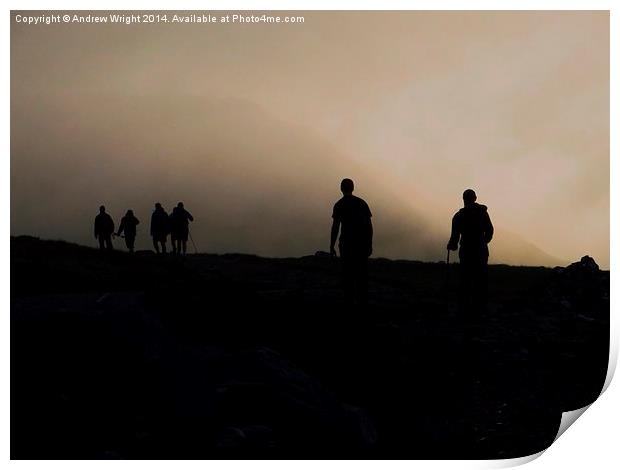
104, 228
160, 227
355, 243
472, 226
128, 225
179, 228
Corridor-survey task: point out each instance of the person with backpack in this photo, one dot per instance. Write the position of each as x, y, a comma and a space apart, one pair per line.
128, 225
104, 228
472, 228
160, 228
179, 228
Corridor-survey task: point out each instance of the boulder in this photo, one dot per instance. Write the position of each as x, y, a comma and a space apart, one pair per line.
586, 265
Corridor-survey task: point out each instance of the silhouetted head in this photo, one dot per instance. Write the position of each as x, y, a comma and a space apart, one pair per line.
158, 206
346, 186
180, 205
469, 197
101, 209
129, 213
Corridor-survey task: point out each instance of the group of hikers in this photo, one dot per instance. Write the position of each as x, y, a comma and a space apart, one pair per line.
471, 233
176, 225
472, 230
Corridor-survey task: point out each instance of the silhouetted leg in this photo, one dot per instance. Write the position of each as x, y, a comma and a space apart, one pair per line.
184, 244
464, 288
163, 247
130, 242
108, 243
348, 277
361, 280
468, 285
156, 245
480, 290
101, 242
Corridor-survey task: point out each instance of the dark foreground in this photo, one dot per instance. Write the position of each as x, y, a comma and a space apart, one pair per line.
234, 356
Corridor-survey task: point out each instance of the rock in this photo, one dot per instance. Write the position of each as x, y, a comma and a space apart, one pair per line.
580, 287
585, 265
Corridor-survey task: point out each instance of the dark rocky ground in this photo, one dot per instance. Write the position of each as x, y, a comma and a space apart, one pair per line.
234, 356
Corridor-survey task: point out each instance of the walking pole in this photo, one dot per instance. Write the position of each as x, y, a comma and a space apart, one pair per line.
192, 239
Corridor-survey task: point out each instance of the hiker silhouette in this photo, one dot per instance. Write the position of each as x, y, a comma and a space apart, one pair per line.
128, 225
104, 228
160, 227
179, 228
351, 216
472, 226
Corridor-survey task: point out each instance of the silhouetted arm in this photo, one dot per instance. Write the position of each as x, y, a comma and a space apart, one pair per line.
488, 231
190, 217
453, 243
334, 237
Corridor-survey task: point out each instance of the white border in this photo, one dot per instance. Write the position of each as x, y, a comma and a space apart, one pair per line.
592, 442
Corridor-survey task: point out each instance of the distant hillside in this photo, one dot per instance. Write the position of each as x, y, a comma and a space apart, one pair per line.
510, 248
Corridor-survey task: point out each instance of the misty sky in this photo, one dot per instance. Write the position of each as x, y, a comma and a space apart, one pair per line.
253, 126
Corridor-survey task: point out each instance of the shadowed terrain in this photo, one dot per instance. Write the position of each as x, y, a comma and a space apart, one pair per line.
208, 356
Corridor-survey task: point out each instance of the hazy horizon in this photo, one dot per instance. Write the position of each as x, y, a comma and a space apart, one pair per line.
254, 126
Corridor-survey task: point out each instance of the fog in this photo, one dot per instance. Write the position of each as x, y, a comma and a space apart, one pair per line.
253, 127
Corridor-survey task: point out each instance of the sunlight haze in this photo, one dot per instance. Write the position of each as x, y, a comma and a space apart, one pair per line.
253, 126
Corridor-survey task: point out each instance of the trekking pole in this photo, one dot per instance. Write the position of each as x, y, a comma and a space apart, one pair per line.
192, 239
